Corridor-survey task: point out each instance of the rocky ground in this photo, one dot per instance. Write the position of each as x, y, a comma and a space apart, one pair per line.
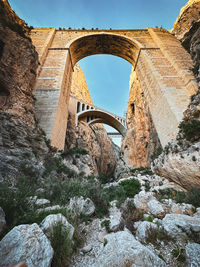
140, 220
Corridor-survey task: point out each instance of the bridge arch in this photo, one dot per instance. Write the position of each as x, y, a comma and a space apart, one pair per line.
104, 43
100, 116
161, 66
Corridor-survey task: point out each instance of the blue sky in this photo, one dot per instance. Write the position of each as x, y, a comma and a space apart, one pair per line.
107, 76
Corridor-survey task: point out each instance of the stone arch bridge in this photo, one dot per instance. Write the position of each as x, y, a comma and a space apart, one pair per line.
161, 65
91, 114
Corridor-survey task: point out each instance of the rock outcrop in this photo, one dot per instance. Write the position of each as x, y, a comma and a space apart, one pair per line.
26, 243
18, 64
141, 141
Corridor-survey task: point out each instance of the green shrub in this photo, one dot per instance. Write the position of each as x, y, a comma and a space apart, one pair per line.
155, 235
115, 193
103, 178
179, 253
190, 129
147, 186
76, 150
131, 187
106, 224
149, 219
193, 197
62, 246
55, 164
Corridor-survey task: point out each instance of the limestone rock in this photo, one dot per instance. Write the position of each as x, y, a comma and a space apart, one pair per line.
114, 217
155, 208
26, 243
56, 207
86, 249
81, 206
143, 230
181, 166
141, 200
188, 15
121, 249
18, 57
51, 220
192, 251
42, 202
180, 224
2, 220
141, 140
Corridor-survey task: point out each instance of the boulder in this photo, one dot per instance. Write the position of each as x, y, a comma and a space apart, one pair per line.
143, 230
155, 208
26, 243
114, 217
51, 220
121, 249
81, 206
180, 224
192, 251
51, 208
2, 220
141, 200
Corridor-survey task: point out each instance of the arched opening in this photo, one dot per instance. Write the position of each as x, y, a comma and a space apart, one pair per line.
96, 116
104, 43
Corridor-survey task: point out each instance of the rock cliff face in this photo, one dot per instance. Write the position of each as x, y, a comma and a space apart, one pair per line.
180, 160
18, 64
79, 87
141, 141
187, 30
93, 139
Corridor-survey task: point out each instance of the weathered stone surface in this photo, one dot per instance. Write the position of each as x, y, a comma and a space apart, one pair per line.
19, 57
141, 200
19, 144
143, 230
181, 165
79, 88
122, 249
80, 205
141, 140
52, 220
179, 225
26, 243
188, 15
114, 217
192, 251
2, 220
55, 207
155, 208
42, 202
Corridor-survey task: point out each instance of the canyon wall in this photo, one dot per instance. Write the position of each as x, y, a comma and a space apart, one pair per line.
93, 139
141, 141
180, 160
18, 64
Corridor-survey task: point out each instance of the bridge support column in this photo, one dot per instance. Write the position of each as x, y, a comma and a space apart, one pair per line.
166, 91
52, 95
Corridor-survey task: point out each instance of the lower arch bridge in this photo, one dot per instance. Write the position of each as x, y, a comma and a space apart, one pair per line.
92, 114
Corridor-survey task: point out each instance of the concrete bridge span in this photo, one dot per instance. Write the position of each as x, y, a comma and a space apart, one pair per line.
161, 65
91, 114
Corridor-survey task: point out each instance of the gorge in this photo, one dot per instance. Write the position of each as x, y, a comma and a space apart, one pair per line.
68, 195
